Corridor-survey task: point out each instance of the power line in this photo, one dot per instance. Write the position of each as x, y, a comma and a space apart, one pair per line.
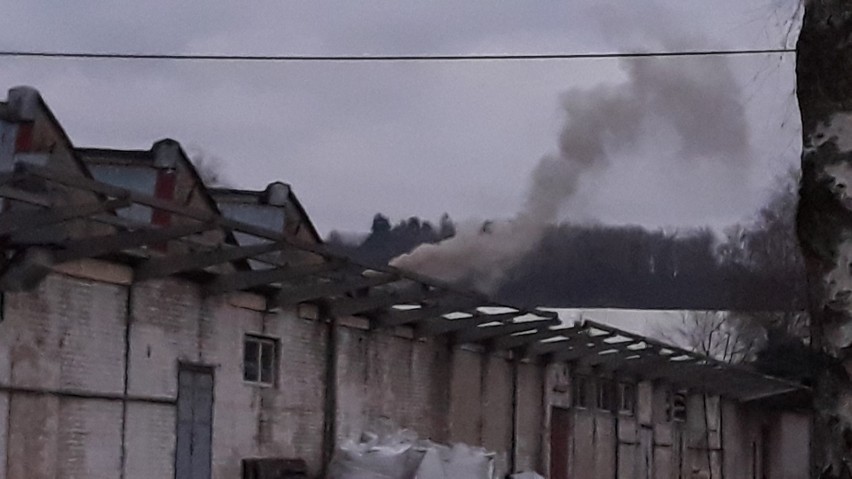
385, 58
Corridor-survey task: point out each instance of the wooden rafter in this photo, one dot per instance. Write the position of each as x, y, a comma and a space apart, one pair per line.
486, 333
292, 295
583, 345
22, 219
158, 267
617, 354
295, 283
523, 340
249, 279
351, 306
440, 326
106, 244
427, 314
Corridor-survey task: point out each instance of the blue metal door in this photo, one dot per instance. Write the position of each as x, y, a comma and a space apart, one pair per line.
194, 423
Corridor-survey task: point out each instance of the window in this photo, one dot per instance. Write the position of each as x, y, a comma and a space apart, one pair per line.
583, 391
259, 360
606, 395
626, 399
676, 406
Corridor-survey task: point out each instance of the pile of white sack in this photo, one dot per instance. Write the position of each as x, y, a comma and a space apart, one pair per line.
398, 454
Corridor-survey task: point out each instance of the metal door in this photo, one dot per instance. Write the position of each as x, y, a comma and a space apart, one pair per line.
560, 435
194, 422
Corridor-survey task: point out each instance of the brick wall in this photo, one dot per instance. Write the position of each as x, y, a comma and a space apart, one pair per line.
466, 386
173, 324
88, 439
65, 336
150, 441
496, 409
442, 393
530, 416
164, 331
67, 339
373, 384
33, 443
290, 417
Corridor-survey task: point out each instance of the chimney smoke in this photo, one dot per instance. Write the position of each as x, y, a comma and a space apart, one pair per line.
697, 99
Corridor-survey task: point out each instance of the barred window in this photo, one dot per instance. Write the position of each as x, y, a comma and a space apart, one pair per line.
676, 406
626, 399
583, 391
606, 395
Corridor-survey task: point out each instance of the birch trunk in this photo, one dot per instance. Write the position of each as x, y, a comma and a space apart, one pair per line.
824, 223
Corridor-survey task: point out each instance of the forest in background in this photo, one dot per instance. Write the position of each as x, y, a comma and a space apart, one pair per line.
753, 266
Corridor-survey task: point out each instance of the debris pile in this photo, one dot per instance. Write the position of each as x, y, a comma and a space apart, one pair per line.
399, 454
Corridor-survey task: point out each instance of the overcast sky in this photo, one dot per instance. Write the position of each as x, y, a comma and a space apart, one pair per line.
407, 138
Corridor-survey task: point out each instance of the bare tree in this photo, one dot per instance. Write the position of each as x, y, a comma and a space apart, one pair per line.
824, 88
718, 334
765, 261
769, 242
764, 258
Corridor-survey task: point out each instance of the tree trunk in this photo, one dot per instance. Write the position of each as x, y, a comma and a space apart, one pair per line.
824, 222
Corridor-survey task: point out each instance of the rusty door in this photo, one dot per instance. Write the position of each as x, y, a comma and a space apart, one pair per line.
560, 442
194, 422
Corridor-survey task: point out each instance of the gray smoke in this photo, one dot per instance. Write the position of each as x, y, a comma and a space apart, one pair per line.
697, 99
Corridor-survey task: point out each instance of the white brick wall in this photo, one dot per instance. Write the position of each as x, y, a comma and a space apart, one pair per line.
295, 411
497, 408
465, 419
89, 439
171, 324
68, 334
150, 441
384, 376
164, 331
235, 408
351, 382
530, 416
33, 440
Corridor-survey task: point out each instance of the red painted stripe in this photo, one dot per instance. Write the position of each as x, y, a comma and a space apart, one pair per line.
165, 190
24, 139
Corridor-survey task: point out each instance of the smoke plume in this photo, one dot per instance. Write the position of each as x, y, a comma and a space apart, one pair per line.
698, 100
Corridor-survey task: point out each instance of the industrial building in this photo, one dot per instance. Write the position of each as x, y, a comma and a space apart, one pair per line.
153, 327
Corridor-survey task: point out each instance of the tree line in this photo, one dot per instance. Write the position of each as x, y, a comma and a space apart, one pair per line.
754, 266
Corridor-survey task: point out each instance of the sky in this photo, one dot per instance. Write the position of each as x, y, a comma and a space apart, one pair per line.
406, 138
